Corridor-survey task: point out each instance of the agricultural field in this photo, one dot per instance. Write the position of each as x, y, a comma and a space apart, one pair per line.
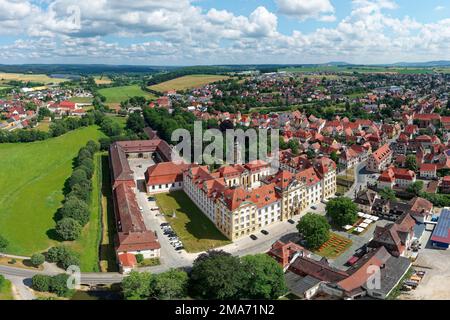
81, 100
119, 94
187, 82
32, 178
43, 78
99, 80
195, 230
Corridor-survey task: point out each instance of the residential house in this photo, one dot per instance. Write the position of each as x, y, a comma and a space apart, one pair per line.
380, 159
428, 171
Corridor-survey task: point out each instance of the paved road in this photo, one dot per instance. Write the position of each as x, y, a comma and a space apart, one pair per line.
86, 278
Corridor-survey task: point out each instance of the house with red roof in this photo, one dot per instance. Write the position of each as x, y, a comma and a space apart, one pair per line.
424, 120
380, 159
396, 177
428, 170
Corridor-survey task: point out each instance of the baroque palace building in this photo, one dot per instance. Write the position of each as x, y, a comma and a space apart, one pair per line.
241, 199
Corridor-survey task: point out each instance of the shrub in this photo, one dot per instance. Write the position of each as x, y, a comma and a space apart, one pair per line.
3, 243
37, 259
58, 285
68, 229
63, 256
41, 282
139, 258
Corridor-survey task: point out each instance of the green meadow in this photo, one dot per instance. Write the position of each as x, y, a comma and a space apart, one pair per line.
32, 177
119, 94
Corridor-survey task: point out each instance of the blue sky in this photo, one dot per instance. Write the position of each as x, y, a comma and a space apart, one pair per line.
187, 32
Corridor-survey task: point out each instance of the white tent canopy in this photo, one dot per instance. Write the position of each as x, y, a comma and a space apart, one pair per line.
359, 230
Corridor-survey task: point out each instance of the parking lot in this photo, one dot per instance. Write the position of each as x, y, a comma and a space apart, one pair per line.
436, 282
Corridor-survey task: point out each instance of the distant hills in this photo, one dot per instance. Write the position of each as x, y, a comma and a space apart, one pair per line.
427, 64
87, 69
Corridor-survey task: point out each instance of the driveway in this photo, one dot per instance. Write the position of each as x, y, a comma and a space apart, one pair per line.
21, 288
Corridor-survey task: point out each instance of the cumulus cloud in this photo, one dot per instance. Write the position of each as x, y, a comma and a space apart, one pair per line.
304, 9
182, 32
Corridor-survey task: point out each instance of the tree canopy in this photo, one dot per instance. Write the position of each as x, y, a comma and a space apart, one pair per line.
265, 277
342, 211
315, 230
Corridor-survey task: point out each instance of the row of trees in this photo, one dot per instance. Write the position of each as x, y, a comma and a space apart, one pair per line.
74, 214
214, 275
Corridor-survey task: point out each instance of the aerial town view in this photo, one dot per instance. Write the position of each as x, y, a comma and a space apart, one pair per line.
277, 150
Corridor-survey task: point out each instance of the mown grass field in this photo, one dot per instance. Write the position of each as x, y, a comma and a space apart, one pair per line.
187, 82
194, 229
6, 290
43, 78
119, 94
32, 177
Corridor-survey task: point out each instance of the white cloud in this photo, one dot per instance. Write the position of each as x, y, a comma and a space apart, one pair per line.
439, 8
304, 9
181, 32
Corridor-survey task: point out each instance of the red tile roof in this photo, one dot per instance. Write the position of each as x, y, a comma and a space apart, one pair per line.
165, 173
127, 260
137, 241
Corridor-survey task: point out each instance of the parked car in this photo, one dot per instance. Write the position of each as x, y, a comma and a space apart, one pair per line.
291, 221
151, 199
154, 208
314, 207
179, 248
253, 237
352, 260
265, 232
164, 224
140, 208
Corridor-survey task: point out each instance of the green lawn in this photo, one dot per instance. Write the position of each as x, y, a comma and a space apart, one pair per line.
32, 177
195, 230
119, 94
6, 291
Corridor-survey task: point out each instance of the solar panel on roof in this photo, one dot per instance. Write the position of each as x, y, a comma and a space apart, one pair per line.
442, 228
